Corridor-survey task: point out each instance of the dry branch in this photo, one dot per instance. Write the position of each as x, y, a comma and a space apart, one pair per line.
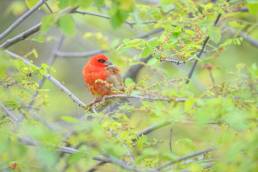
21, 19
94, 52
57, 83
108, 17
21, 36
27, 33
190, 74
50, 62
183, 158
9, 114
79, 54
244, 35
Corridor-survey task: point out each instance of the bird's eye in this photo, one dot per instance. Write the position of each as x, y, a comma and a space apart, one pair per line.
101, 60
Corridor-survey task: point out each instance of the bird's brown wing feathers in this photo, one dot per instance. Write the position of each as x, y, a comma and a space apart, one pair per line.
116, 79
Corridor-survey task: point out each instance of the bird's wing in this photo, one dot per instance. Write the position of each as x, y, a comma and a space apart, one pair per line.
115, 78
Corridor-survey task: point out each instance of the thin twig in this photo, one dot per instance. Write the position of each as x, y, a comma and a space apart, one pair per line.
148, 34
146, 97
70, 150
21, 36
79, 54
8, 113
50, 63
145, 131
122, 164
133, 71
95, 167
57, 83
153, 128
183, 158
109, 18
94, 52
21, 19
28, 32
176, 61
48, 7
190, 74
244, 35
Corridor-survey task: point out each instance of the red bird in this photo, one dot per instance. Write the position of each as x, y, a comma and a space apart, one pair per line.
102, 77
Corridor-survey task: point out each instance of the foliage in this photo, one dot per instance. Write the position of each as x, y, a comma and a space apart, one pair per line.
220, 110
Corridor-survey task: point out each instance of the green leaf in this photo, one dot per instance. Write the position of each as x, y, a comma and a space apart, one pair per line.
84, 3
252, 6
146, 51
69, 119
64, 3
153, 61
214, 34
118, 18
129, 82
66, 24
47, 22
31, 3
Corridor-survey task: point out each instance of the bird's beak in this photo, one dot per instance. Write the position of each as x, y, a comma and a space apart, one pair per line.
109, 64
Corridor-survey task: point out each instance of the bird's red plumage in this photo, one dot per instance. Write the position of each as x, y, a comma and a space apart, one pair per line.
101, 77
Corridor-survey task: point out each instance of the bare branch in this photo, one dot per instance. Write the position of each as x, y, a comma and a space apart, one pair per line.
147, 35
95, 167
28, 32
109, 18
9, 114
20, 36
48, 7
145, 131
133, 71
151, 98
244, 35
21, 19
122, 164
51, 79
70, 150
153, 128
183, 158
176, 61
94, 52
241, 9
201, 51
79, 54
50, 63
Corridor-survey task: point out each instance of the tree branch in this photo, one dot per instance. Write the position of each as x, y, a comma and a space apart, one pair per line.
79, 54
9, 114
122, 164
21, 36
144, 97
133, 71
109, 18
176, 61
94, 52
183, 158
152, 128
21, 19
51, 79
28, 32
145, 131
50, 63
244, 35
190, 74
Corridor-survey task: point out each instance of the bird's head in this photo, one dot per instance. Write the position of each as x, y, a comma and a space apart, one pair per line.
100, 60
